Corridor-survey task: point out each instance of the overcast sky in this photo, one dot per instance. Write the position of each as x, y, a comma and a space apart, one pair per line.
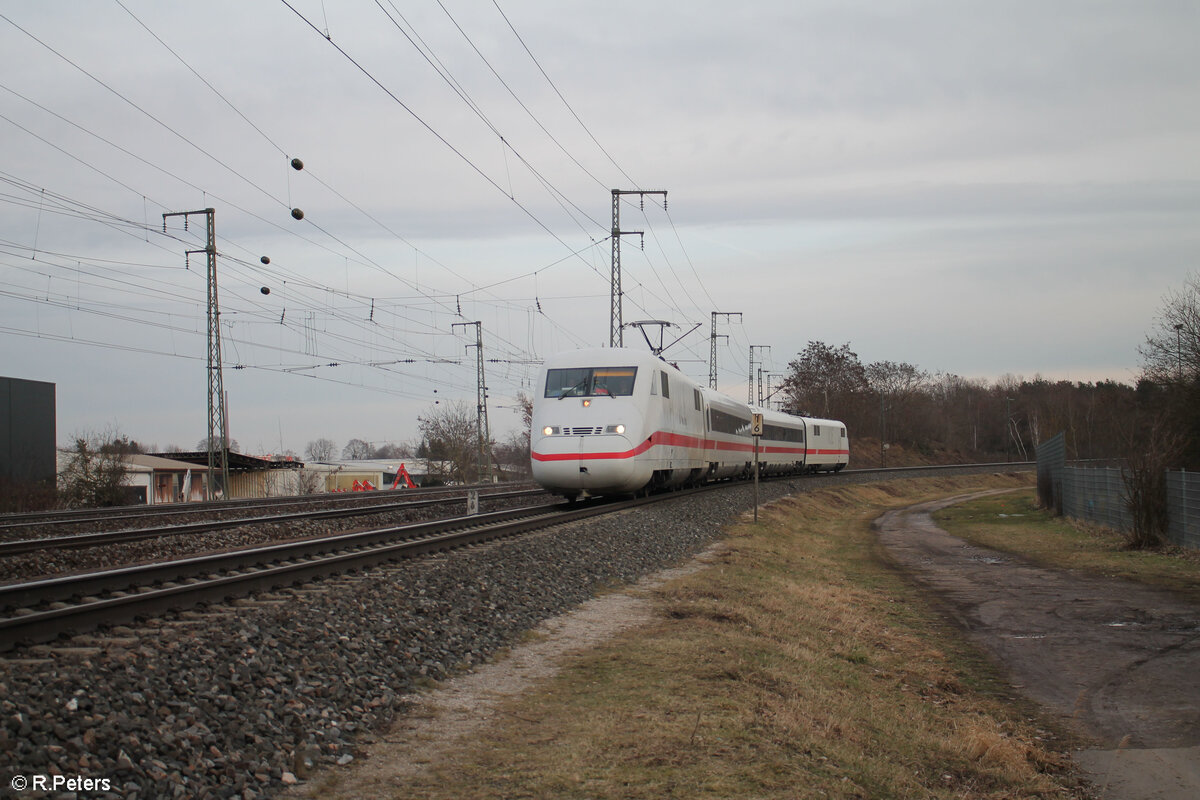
976, 188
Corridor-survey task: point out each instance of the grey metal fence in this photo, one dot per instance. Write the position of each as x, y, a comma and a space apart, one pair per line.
1051, 459
1183, 503
1098, 494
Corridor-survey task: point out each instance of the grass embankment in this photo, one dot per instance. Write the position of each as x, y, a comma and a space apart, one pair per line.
1013, 523
798, 666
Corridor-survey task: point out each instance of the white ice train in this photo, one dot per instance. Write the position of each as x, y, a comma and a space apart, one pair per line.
620, 421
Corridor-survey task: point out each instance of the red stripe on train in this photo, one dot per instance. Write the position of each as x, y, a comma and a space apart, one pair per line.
679, 440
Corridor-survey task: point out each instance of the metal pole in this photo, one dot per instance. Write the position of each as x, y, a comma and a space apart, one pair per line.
712, 357
218, 438
481, 416
756, 438
616, 335
712, 354
750, 388
750, 380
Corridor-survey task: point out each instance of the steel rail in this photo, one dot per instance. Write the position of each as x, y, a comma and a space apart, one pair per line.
40, 611
79, 540
83, 516
1022, 465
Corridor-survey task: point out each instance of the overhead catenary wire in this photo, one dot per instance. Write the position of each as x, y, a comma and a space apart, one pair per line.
309, 171
354, 327
198, 76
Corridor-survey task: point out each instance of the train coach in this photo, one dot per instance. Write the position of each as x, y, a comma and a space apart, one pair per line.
621, 421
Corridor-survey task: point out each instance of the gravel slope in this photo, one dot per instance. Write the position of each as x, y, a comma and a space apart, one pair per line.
239, 700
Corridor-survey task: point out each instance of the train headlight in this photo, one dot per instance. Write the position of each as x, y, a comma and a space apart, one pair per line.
549, 430
615, 429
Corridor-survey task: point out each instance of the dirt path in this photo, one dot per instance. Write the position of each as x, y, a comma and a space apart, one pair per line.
1119, 660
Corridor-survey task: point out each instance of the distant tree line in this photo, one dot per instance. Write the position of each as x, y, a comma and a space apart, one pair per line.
942, 417
1149, 428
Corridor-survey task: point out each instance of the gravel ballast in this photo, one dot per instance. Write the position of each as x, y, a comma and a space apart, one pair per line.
243, 699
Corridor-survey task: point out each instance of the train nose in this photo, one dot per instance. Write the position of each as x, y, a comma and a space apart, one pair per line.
594, 464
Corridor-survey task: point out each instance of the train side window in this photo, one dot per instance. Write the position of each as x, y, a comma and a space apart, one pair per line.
666, 387
816, 430
696, 398
843, 433
654, 383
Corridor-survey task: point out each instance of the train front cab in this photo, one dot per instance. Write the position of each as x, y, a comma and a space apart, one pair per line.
586, 431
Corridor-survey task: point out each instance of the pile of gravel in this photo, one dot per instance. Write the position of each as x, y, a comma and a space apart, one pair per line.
240, 700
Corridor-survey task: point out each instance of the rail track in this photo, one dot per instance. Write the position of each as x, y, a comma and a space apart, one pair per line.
120, 536
41, 610
17, 525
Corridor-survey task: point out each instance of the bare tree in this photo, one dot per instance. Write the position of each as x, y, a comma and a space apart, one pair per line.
320, 450
900, 389
202, 445
308, 482
1153, 447
449, 435
526, 403
357, 448
96, 470
1171, 368
826, 381
513, 453
1171, 352
393, 450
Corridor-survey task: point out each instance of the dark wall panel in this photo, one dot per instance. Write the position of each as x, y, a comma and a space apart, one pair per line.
27, 429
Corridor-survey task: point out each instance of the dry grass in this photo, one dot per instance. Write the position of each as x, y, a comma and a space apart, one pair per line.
1013, 523
796, 666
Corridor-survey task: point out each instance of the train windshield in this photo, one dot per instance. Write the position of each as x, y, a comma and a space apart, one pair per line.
590, 382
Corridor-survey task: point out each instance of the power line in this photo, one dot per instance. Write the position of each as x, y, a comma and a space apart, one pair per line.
146, 113
462, 156
582, 124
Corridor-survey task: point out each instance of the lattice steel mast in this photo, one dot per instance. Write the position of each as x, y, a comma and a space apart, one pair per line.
750, 388
481, 415
616, 337
218, 437
712, 357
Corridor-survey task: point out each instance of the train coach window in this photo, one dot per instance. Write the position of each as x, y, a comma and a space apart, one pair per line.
781, 433
666, 387
722, 422
590, 381
816, 430
696, 398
